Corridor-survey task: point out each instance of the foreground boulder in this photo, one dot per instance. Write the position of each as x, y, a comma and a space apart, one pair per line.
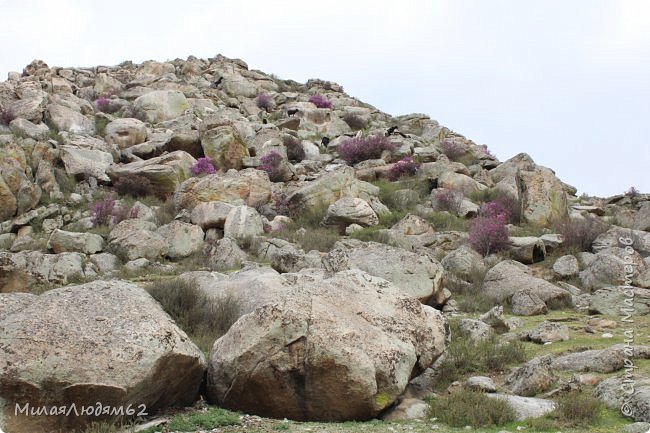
332, 348
418, 275
105, 341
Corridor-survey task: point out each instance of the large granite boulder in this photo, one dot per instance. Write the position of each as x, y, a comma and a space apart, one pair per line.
250, 185
350, 210
225, 147
183, 239
419, 275
136, 238
325, 347
508, 277
332, 186
543, 197
87, 243
164, 172
126, 132
161, 105
106, 341
19, 271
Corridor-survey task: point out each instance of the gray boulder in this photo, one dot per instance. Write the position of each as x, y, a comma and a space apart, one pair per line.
547, 332
87, 243
566, 266
629, 395
105, 341
509, 277
526, 407
527, 303
350, 210
243, 224
136, 238
183, 239
334, 348
533, 377
418, 275
598, 360
620, 300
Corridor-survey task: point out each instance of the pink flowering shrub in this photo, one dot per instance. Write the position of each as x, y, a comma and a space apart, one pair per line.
447, 200
320, 101
504, 205
203, 166
452, 149
272, 164
103, 104
488, 232
632, 192
264, 101
403, 168
359, 149
104, 212
6, 116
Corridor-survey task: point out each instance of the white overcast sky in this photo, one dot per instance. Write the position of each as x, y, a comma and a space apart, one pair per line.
566, 81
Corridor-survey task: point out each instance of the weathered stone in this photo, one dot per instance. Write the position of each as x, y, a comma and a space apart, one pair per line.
183, 239
508, 277
617, 300
543, 198
527, 249
138, 357
136, 238
526, 407
620, 237
211, 214
250, 185
20, 270
533, 377
350, 210
566, 266
481, 383
600, 360
225, 147
475, 329
547, 332
87, 243
125, 133
243, 223
161, 105
618, 394
527, 303
327, 348
407, 409
164, 172
418, 275
67, 119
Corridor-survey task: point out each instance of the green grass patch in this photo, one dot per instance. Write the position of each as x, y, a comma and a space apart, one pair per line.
465, 407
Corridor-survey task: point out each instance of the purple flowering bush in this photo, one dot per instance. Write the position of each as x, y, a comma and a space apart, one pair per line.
447, 200
632, 192
295, 151
403, 168
264, 101
320, 101
452, 149
104, 212
489, 234
103, 104
272, 164
6, 116
203, 166
359, 149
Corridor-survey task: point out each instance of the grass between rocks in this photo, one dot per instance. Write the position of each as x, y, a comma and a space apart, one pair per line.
203, 318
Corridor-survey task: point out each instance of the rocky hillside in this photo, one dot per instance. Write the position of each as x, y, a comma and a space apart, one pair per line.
227, 250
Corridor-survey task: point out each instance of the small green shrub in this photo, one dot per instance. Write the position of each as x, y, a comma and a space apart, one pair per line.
372, 234
465, 355
464, 407
166, 212
67, 182
133, 185
578, 409
204, 318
